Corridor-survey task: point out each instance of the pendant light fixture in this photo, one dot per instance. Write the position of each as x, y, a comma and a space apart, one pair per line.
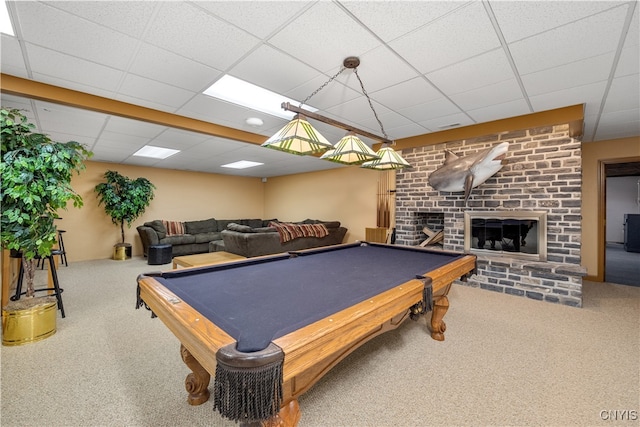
299, 137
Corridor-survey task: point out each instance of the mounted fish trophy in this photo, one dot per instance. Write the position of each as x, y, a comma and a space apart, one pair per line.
466, 173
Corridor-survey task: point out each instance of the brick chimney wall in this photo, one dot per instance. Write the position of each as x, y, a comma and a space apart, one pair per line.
543, 174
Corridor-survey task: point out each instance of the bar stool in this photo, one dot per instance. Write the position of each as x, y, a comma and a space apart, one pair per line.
57, 290
61, 251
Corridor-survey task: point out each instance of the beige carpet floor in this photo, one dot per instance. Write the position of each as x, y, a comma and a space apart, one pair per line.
506, 361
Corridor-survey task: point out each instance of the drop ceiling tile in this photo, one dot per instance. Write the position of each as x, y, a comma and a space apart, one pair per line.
447, 122
73, 70
73, 85
359, 113
497, 93
86, 141
56, 118
260, 18
437, 108
390, 20
214, 147
129, 17
521, 19
486, 69
629, 62
57, 30
330, 95
405, 131
142, 161
588, 37
106, 155
441, 43
623, 116
172, 69
590, 94
270, 68
407, 94
152, 92
371, 69
390, 120
17, 102
12, 59
624, 94
127, 143
371, 72
514, 108
633, 34
579, 73
335, 36
613, 129
185, 30
139, 128
178, 139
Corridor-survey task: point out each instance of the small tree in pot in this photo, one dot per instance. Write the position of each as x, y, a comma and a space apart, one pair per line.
36, 177
124, 199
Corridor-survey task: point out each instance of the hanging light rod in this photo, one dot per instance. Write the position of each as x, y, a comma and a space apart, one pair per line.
315, 116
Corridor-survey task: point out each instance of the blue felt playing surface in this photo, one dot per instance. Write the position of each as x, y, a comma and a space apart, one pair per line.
257, 302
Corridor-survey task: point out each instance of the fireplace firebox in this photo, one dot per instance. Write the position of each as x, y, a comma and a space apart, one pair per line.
506, 233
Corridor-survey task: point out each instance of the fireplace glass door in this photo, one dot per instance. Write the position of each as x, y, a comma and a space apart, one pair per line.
493, 232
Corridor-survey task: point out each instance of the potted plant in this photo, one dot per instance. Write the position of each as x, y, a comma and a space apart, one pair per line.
36, 177
124, 200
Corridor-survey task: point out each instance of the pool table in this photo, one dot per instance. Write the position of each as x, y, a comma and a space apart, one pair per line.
270, 327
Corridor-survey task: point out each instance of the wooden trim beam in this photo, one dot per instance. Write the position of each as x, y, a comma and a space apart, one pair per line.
45, 92
573, 115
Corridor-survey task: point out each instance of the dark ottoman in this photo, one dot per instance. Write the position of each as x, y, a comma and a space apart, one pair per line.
159, 254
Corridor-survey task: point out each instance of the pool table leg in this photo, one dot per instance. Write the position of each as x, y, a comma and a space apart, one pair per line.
288, 416
197, 381
440, 307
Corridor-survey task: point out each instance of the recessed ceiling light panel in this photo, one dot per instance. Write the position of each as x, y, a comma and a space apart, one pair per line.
248, 95
155, 152
242, 164
5, 21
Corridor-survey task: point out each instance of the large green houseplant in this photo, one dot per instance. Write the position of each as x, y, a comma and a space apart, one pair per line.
124, 200
36, 177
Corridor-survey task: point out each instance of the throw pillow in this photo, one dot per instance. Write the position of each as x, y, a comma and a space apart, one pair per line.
173, 227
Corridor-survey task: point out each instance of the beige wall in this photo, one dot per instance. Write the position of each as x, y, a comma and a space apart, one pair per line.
346, 194
179, 195
592, 154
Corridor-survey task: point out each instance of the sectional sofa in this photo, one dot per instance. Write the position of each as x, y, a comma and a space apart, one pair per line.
246, 237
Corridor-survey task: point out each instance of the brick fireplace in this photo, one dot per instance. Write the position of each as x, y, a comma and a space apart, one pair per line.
543, 175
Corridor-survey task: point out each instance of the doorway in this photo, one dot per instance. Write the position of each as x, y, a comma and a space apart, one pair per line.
620, 198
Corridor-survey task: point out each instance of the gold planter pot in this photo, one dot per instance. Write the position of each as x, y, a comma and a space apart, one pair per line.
24, 326
122, 251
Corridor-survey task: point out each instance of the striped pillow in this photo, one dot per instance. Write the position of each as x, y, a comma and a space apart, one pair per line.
173, 227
